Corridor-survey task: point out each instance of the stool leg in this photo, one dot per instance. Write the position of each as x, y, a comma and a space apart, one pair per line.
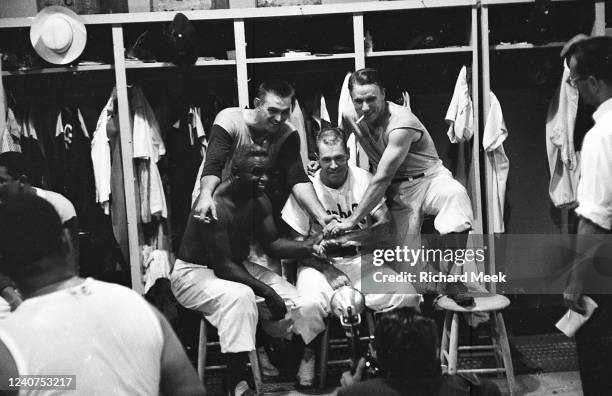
370, 321
454, 344
202, 350
495, 341
254, 360
324, 355
445, 335
505, 348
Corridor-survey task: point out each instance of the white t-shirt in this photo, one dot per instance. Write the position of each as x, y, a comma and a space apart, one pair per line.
594, 188
341, 201
62, 205
105, 334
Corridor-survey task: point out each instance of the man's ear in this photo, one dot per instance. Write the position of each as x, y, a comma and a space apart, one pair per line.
383, 92
23, 179
257, 102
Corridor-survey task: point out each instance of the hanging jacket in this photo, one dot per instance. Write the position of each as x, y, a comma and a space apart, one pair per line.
148, 147
33, 151
319, 120
11, 133
71, 167
495, 132
297, 120
184, 141
563, 160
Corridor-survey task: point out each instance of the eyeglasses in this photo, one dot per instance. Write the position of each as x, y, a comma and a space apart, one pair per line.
573, 81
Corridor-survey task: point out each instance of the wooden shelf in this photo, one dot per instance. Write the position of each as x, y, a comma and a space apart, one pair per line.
444, 50
302, 58
519, 46
497, 2
62, 69
263, 12
156, 65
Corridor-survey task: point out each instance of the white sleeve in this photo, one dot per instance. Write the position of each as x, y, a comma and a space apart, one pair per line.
101, 159
594, 194
65, 209
296, 217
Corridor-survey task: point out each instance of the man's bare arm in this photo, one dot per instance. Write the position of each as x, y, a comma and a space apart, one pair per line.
381, 230
398, 147
280, 247
216, 240
178, 378
8, 367
307, 198
205, 202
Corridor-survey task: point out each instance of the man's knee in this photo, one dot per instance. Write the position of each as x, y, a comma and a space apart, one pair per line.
312, 305
239, 295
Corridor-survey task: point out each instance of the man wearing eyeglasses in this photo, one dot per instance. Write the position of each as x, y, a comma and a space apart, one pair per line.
590, 63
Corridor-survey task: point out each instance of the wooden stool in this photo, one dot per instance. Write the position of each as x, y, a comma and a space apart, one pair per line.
449, 347
325, 342
203, 344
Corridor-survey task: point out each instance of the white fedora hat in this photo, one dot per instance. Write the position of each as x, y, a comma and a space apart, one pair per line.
58, 35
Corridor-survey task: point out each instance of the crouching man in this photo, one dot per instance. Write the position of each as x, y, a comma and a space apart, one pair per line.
340, 188
212, 275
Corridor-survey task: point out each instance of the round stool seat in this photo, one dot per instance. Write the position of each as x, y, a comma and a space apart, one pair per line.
482, 303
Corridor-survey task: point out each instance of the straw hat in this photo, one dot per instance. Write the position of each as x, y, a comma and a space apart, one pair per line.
58, 35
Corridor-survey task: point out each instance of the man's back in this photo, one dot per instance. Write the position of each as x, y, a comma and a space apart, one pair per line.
104, 334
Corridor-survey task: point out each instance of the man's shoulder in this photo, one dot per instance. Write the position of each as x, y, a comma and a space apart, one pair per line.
401, 117
377, 386
229, 118
359, 173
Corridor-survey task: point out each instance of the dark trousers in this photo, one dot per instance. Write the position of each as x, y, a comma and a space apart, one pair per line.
594, 339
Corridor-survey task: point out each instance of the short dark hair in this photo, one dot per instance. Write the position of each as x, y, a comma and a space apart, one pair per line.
364, 77
277, 87
243, 154
331, 137
15, 164
406, 344
593, 57
31, 230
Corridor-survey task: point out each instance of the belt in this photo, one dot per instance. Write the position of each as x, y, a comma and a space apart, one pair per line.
408, 178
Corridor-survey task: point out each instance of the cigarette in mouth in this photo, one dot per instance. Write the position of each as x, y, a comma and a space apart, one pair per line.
360, 119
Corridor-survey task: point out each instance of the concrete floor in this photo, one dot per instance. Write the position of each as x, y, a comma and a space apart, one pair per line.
564, 383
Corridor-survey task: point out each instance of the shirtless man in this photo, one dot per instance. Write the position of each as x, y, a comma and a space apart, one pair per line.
212, 275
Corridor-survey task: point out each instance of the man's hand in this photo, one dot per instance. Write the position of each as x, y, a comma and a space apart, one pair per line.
350, 379
575, 302
313, 167
205, 209
328, 219
335, 277
315, 242
338, 228
276, 305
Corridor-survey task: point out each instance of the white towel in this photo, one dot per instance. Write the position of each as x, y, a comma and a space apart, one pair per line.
563, 161
156, 265
357, 154
101, 156
460, 114
495, 132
